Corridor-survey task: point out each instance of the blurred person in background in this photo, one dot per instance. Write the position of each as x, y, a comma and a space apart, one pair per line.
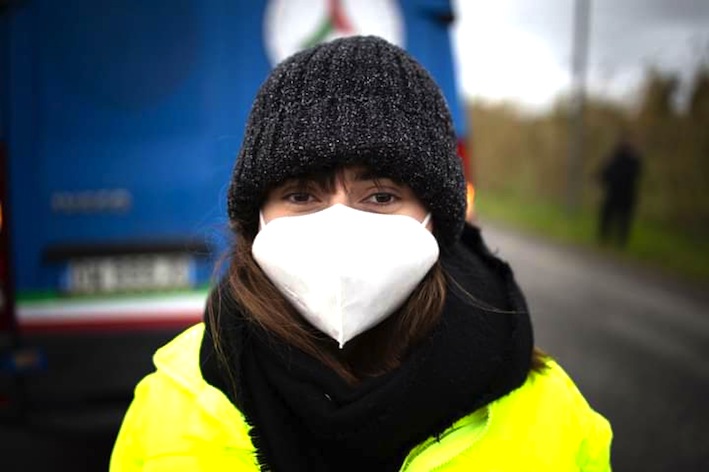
619, 179
362, 325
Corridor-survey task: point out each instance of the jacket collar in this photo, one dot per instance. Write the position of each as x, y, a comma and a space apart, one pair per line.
179, 362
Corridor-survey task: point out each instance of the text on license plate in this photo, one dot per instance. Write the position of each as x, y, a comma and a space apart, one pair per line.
129, 274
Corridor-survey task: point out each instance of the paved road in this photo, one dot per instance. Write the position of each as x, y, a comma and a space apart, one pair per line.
637, 346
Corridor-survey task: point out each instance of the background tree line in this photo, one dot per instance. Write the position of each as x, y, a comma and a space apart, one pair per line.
524, 156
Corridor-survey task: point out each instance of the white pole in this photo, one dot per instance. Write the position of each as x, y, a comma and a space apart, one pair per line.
582, 13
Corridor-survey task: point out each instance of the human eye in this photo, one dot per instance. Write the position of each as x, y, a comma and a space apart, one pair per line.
299, 198
381, 198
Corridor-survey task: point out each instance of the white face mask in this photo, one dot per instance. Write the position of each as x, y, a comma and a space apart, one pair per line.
345, 270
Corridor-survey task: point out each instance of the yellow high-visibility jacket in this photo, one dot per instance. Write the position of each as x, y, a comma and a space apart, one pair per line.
178, 422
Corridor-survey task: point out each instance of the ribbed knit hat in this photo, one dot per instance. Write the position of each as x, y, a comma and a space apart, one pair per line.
352, 101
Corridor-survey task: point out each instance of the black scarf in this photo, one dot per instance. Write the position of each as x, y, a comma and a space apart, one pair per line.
306, 418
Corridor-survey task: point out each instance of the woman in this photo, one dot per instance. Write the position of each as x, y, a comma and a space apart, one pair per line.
362, 325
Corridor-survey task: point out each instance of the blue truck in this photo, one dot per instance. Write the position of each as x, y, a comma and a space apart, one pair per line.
119, 126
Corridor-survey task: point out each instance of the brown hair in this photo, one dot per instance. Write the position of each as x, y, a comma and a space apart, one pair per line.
374, 352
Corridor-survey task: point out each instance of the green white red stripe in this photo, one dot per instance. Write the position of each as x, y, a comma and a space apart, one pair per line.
112, 313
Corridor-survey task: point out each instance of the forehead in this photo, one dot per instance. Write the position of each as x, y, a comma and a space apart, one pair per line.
346, 175
360, 173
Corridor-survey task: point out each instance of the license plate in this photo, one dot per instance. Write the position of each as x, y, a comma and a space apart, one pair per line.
129, 274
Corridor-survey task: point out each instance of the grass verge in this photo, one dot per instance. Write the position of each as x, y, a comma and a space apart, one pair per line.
657, 247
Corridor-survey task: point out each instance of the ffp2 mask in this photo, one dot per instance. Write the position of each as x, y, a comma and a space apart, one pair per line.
345, 270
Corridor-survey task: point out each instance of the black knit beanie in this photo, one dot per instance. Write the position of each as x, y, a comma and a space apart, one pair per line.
352, 101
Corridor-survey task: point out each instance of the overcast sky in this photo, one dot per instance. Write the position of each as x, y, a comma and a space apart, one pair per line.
521, 49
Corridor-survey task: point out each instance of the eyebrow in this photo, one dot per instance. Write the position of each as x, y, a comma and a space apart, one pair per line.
326, 180
367, 174
302, 183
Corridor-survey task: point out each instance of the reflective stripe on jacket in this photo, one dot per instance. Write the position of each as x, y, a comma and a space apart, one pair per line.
178, 422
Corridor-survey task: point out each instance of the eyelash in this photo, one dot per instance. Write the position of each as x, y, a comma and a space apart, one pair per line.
305, 197
293, 197
373, 198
